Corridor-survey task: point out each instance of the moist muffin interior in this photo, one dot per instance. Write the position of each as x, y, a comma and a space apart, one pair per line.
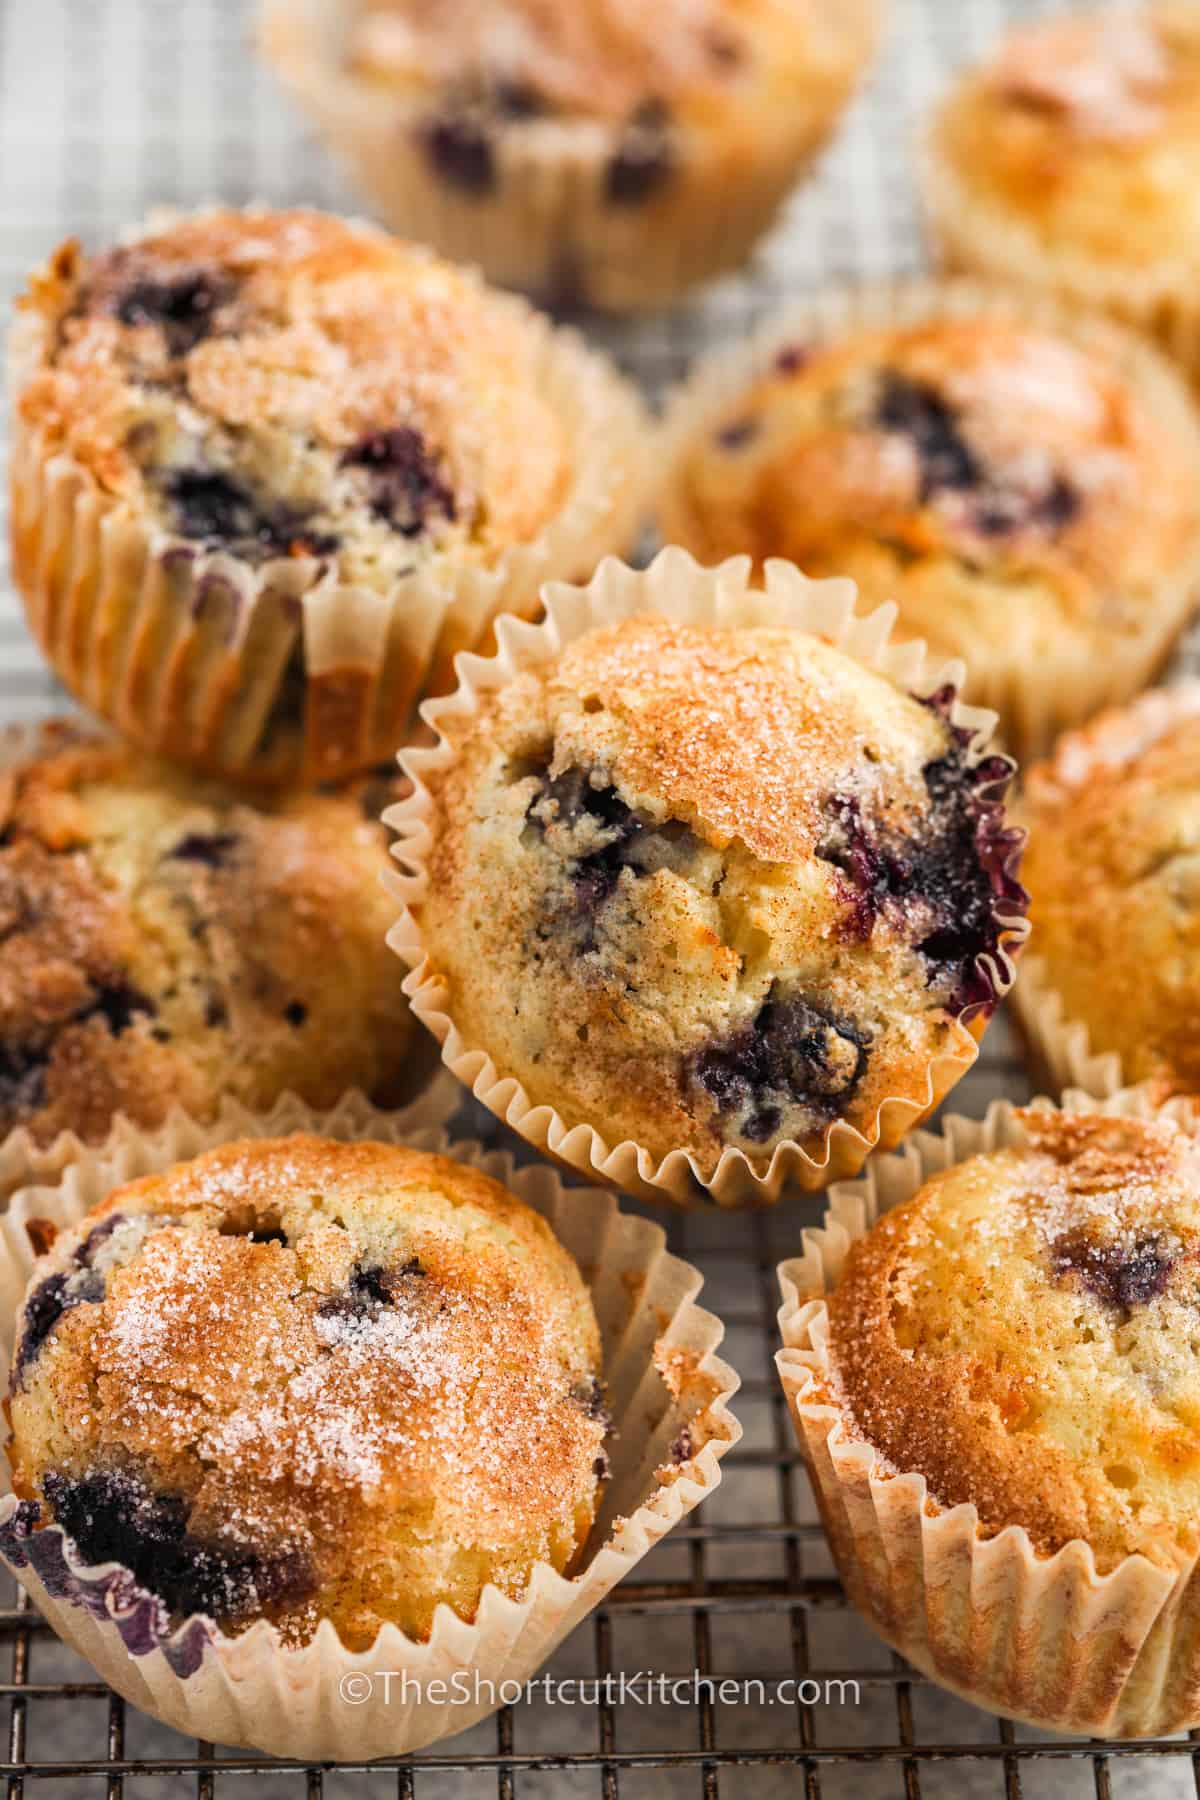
164, 942
701, 888
299, 1380
289, 386
1005, 486
1022, 1333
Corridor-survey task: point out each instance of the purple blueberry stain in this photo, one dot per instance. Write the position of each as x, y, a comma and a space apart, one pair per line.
643, 162
183, 306
1121, 1274
214, 509
405, 487
737, 434
458, 146
916, 411
795, 1052
208, 849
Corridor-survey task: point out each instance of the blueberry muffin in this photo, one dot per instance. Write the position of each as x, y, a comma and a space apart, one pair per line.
1017, 1338
301, 1380
1113, 868
1070, 159
600, 151
165, 942
273, 469
709, 889
1025, 488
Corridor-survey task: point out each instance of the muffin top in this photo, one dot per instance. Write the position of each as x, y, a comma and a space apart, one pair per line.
164, 941
1113, 868
1087, 130
1022, 1333
703, 887
289, 385
996, 480
704, 64
303, 1380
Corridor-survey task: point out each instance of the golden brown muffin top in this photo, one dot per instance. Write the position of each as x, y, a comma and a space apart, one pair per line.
312, 1351
164, 941
1087, 128
290, 384
994, 449
607, 59
1022, 1334
1113, 868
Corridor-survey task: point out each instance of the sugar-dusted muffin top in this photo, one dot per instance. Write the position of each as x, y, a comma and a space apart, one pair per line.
1022, 1333
164, 941
302, 1380
701, 887
701, 65
290, 385
1005, 486
1086, 130
1113, 869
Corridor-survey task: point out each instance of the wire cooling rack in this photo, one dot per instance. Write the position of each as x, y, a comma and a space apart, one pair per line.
106, 108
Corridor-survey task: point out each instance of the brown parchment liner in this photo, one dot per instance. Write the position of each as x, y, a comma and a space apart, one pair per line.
667, 1391
186, 652
547, 227
1044, 1639
1059, 1049
1036, 693
678, 587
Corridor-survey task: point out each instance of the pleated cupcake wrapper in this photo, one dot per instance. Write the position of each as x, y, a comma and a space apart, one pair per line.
188, 652
323, 1702
677, 587
1059, 1047
1155, 295
1046, 1639
1036, 691
547, 225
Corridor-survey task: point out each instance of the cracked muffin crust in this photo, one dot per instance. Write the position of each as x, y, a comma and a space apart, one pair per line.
704, 888
328, 446
1069, 158
1113, 869
580, 150
301, 1380
1026, 491
1021, 1332
165, 942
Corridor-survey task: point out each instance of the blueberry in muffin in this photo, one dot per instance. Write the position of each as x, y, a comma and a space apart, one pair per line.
300, 464
1023, 486
704, 888
598, 152
1068, 159
298, 1380
164, 941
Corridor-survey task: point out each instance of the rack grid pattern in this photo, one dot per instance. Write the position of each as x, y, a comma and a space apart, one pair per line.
106, 108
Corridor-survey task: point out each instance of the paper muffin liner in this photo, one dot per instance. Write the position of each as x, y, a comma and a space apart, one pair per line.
548, 226
1036, 692
1059, 1048
969, 232
1044, 1639
677, 587
667, 1392
193, 653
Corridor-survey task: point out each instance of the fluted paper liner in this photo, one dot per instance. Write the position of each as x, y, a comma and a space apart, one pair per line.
187, 651
1036, 692
977, 235
1046, 1639
548, 226
253, 1690
676, 586
1059, 1048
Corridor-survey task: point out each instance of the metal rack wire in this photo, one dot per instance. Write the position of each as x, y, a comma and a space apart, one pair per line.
107, 107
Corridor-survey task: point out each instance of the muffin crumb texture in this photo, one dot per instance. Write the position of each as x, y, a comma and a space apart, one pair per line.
1022, 1333
306, 1381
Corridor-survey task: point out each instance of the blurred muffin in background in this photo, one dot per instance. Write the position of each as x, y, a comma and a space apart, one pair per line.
271, 470
1071, 159
163, 941
600, 151
1022, 481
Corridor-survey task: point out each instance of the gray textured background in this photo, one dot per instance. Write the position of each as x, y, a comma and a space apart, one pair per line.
109, 106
